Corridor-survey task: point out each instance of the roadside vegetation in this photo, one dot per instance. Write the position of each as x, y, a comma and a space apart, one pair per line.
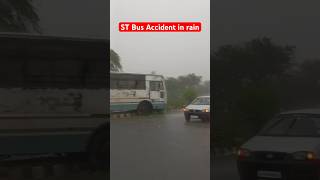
183, 89
255, 80
18, 16
115, 62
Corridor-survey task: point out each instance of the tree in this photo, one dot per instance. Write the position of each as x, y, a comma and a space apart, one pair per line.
183, 89
189, 94
204, 88
244, 91
18, 16
254, 61
190, 80
301, 89
115, 64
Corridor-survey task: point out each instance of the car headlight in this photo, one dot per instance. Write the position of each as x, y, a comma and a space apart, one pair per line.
304, 155
206, 110
243, 153
185, 109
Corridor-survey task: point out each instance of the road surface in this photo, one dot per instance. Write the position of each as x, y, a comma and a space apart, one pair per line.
224, 168
156, 147
160, 147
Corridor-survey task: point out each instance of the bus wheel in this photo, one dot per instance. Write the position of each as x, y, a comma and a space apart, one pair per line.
98, 150
144, 107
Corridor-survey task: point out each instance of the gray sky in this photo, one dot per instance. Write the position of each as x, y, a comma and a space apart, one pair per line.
169, 54
292, 22
76, 18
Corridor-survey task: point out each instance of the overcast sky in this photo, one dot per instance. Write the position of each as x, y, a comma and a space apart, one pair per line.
169, 54
76, 18
292, 22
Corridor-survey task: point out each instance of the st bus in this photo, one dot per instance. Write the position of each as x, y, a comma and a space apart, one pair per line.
53, 96
142, 93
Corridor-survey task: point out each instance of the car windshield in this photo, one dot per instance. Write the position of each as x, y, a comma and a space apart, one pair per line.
293, 125
201, 101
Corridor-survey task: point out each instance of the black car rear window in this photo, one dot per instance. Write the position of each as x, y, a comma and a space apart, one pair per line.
293, 125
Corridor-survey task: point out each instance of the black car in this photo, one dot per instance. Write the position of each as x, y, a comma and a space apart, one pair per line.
288, 148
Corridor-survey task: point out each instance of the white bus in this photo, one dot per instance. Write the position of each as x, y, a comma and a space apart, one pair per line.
53, 94
137, 92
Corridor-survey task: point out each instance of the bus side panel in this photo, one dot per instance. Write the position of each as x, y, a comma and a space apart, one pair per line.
159, 105
38, 144
126, 100
123, 107
49, 120
53, 101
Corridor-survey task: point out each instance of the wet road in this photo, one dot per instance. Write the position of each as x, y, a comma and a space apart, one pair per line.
224, 168
160, 147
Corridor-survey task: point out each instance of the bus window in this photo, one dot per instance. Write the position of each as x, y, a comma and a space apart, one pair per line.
128, 84
11, 75
156, 86
95, 76
123, 84
67, 73
38, 73
141, 85
113, 84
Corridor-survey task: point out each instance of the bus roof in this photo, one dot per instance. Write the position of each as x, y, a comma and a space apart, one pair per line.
24, 45
48, 37
136, 74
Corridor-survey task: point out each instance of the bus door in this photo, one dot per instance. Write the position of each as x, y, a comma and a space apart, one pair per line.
156, 91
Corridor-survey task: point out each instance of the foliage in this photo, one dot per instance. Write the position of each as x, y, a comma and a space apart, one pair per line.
204, 88
18, 16
245, 85
183, 89
189, 94
115, 61
255, 60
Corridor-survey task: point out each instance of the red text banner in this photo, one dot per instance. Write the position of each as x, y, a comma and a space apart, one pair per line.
160, 26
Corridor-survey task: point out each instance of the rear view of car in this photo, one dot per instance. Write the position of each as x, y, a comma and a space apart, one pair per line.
287, 148
199, 107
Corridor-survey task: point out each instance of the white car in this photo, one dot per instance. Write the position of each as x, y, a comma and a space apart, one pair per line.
288, 147
199, 107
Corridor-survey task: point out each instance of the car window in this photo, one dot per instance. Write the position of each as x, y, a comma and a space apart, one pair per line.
304, 126
201, 101
278, 127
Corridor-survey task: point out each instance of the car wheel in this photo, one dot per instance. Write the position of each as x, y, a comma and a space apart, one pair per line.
144, 108
187, 117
